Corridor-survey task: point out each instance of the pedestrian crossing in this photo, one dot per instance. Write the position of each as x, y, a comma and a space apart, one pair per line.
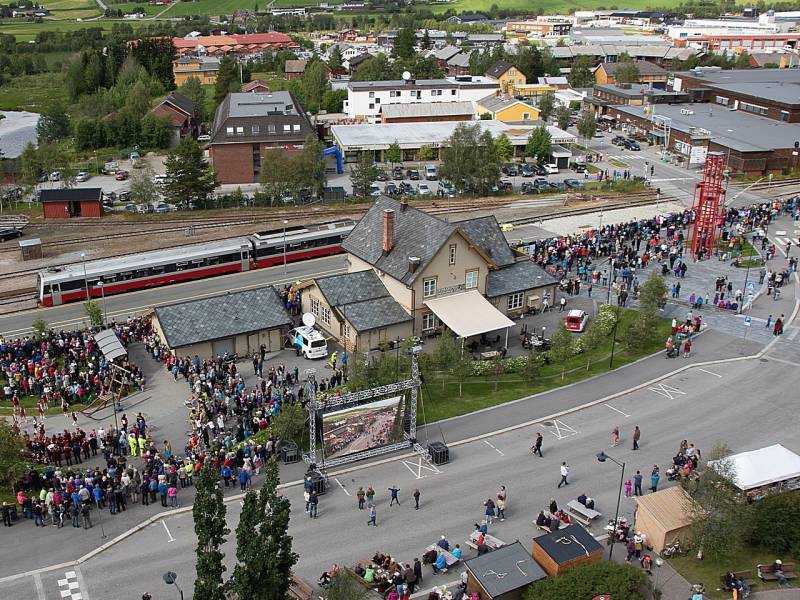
69, 586
783, 241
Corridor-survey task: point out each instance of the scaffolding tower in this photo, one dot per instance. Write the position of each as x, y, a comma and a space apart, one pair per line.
708, 205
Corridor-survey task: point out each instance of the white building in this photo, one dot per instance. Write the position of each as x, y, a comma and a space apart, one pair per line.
365, 98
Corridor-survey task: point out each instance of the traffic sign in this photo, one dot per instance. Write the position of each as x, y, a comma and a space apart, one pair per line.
751, 285
748, 321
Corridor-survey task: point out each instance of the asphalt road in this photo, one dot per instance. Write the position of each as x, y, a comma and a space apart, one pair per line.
124, 305
701, 405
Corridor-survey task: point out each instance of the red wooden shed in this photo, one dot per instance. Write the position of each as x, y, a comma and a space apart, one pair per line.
72, 202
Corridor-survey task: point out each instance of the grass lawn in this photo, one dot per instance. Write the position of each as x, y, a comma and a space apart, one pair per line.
72, 9
556, 7
708, 572
440, 395
25, 32
31, 92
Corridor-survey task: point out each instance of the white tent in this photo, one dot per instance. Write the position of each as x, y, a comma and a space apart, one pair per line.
468, 313
762, 467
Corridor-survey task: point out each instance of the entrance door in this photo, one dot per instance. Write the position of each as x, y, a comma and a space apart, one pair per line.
55, 290
220, 347
245, 258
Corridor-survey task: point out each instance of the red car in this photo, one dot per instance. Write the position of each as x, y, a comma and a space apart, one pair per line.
121, 175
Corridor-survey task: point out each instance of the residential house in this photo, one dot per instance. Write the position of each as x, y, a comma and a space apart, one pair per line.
204, 68
246, 124
458, 66
352, 64
468, 18
243, 45
506, 75
427, 112
649, 73
257, 86
179, 113
294, 69
506, 109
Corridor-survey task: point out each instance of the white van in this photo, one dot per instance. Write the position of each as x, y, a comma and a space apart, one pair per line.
431, 173
309, 342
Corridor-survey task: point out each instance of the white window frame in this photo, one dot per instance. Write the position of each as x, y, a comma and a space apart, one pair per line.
325, 315
315, 306
428, 322
452, 253
429, 288
471, 279
515, 300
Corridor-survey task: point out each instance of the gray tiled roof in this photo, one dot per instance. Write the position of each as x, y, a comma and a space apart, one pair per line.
522, 275
498, 68
221, 316
373, 314
416, 234
645, 68
486, 232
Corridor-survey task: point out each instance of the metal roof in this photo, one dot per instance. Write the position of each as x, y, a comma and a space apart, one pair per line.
221, 316
427, 109
494, 103
518, 277
568, 544
504, 570
109, 344
71, 195
244, 104
788, 93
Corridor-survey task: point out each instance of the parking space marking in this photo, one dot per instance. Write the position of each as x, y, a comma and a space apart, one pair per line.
784, 361
344, 489
662, 389
617, 410
561, 430
709, 372
417, 468
37, 580
171, 539
488, 443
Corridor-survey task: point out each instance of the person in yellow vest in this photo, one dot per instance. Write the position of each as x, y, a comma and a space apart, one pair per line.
142, 444
133, 445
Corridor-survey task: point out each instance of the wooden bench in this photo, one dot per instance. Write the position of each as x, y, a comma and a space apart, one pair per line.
746, 576
300, 590
542, 527
449, 559
580, 513
767, 572
491, 541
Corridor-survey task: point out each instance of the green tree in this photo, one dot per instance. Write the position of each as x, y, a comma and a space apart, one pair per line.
446, 352
227, 78
503, 147
487, 164
208, 511
246, 574
376, 68
289, 423
587, 125
345, 586
639, 331
618, 581
277, 169
546, 106
580, 75
651, 293
11, 452
93, 313
776, 523
742, 61
404, 43
53, 123
364, 173
426, 40
532, 367
628, 73
39, 326
192, 88
562, 345
189, 178
30, 166
137, 101
314, 84
311, 169
563, 116
539, 142
74, 80
529, 60
721, 519
143, 188
393, 153
426, 152
155, 132
335, 60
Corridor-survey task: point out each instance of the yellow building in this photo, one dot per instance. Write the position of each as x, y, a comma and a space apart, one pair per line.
649, 73
531, 91
506, 75
205, 68
506, 109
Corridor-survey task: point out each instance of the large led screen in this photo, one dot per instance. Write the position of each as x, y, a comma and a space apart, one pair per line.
363, 427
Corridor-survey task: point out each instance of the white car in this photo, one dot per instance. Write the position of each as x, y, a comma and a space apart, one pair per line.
375, 191
204, 138
424, 190
160, 179
55, 176
551, 168
82, 176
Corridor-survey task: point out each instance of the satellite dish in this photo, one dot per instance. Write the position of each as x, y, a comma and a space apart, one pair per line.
406, 75
308, 319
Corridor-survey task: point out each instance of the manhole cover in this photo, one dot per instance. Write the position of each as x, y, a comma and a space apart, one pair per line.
548, 423
763, 360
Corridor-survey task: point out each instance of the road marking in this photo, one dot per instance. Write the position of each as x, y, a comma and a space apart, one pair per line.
662, 389
710, 373
37, 580
70, 587
83, 588
561, 430
617, 410
171, 539
417, 468
488, 443
344, 489
783, 361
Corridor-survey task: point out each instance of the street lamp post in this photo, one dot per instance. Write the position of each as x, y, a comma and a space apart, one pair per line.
614, 337
85, 278
285, 223
170, 578
601, 457
611, 278
100, 284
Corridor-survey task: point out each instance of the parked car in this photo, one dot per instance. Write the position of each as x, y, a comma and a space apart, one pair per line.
573, 184
576, 320
579, 167
135, 156
375, 190
111, 167
424, 190
162, 208
539, 170
431, 173
82, 176
204, 138
123, 196
55, 176
541, 183
160, 179
618, 140
551, 168
505, 185
397, 173
121, 175
632, 145
391, 188
406, 188
446, 188
510, 170
382, 175
526, 170
529, 187
558, 185
413, 175
598, 135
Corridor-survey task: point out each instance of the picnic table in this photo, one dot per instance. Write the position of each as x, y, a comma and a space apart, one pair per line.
450, 560
490, 355
767, 572
491, 541
580, 513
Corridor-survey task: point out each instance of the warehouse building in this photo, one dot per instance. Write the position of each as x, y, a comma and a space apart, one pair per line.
239, 322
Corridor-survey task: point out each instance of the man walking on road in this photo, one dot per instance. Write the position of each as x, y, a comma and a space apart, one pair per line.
360, 495
313, 501
637, 484
416, 500
537, 445
393, 491
636, 435
373, 515
564, 474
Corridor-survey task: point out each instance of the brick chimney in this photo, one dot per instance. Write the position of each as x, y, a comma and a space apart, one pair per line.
388, 231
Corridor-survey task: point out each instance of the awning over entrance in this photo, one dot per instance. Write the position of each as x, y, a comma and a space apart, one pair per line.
468, 314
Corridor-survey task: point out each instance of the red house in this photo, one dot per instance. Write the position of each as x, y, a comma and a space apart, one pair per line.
72, 202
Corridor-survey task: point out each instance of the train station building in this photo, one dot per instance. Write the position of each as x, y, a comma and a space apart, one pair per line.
238, 322
411, 273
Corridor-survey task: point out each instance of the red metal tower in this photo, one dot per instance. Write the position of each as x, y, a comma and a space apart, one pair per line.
709, 204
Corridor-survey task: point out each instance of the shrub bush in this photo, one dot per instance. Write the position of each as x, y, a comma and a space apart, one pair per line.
621, 582
777, 523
